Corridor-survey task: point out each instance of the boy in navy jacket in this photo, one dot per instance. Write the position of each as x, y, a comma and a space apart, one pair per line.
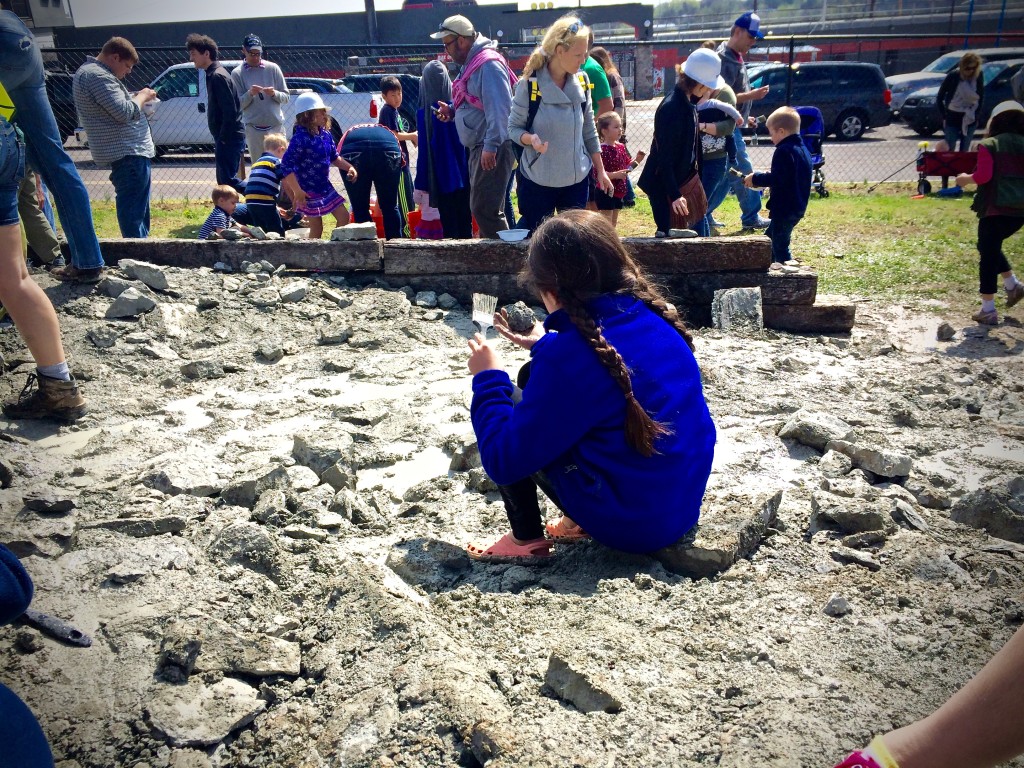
789, 178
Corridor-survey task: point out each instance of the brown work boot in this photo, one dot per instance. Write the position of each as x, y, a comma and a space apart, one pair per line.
52, 399
73, 274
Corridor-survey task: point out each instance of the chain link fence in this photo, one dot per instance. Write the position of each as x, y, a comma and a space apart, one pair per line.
851, 98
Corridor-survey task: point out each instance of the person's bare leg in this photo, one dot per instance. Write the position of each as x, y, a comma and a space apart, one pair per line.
341, 216
981, 725
316, 227
28, 305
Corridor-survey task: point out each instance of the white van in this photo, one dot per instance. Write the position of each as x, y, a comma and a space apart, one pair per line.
179, 118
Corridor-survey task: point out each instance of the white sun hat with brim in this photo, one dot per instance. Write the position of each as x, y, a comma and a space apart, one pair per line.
704, 66
1006, 106
306, 102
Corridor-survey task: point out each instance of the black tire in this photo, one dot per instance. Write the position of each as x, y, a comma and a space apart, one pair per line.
924, 130
850, 125
924, 187
822, 192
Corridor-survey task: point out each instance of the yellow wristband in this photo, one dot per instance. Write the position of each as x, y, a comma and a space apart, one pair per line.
881, 753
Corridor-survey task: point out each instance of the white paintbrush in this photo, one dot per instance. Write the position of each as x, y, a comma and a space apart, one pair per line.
483, 311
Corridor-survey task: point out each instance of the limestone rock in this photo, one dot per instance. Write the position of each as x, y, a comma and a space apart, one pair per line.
927, 495
851, 515
244, 491
179, 649
265, 297
364, 231
50, 501
335, 334
587, 692
191, 476
905, 514
336, 298
816, 429
731, 526
103, 337
293, 292
44, 537
203, 369
447, 301
997, 508
340, 475
737, 309
130, 303
425, 299
249, 545
520, 317
945, 332
270, 351
151, 275
853, 557
196, 715
429, 563
142, 527
466, 455
837, 606
835, 464
271, 508
321, 449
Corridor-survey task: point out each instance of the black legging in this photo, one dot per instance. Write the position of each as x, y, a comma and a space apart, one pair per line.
992, 232
521, 504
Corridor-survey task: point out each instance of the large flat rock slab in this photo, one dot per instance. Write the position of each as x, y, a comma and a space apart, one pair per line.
731, 526
350, 256
828, 314
799, 287
671, 256
197, 715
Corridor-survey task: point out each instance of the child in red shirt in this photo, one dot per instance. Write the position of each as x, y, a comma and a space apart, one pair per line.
617, 162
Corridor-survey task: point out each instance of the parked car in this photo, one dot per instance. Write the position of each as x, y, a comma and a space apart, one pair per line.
371, 84
179, 118
904, 85
921, 110
316, 84
58, 91
851, 95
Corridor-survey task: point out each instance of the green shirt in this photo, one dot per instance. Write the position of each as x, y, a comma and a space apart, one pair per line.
599, 87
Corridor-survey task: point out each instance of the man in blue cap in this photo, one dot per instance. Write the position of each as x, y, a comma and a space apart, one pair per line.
746, 31
262, 92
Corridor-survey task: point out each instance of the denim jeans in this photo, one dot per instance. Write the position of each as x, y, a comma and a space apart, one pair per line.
228, 156
131, 179
952, 133
537, 202
781, 233
382, 170
714, 179
750, 199
21, 72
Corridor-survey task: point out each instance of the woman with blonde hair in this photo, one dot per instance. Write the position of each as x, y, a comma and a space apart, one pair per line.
561, 142
959, 101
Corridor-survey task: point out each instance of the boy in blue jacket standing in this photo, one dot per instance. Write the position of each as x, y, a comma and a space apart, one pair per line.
789, 178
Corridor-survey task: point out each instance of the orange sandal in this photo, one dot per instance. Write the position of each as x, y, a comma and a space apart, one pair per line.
505, 550
565, 530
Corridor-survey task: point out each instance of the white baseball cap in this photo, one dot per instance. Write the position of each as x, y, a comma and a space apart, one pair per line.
459, 26
704, 66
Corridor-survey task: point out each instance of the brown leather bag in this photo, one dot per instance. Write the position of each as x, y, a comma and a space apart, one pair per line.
692, 191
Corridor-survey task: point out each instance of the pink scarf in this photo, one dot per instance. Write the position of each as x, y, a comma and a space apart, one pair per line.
459, 92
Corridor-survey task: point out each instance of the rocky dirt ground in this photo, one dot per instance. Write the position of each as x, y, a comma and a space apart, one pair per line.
261, 522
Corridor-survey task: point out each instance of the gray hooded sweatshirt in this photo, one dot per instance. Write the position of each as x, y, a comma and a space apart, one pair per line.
490, 84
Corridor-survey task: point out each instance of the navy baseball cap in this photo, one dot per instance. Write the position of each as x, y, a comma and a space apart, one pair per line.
252, 43
752, 23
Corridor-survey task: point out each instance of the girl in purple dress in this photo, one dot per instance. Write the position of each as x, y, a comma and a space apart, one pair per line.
306, 166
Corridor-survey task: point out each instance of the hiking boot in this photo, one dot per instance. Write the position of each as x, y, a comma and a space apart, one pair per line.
1014, 295
73, 274
986, 318
52, 399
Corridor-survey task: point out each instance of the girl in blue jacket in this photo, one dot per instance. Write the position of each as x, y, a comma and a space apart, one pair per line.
612, 425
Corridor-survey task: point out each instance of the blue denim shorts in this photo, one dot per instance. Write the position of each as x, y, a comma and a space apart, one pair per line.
12, 169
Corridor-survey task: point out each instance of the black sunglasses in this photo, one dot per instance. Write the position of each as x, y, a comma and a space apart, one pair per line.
572, 29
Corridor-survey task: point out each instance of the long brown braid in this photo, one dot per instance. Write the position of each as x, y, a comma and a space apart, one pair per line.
578, 256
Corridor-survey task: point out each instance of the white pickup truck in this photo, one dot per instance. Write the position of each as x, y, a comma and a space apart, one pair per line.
179, 118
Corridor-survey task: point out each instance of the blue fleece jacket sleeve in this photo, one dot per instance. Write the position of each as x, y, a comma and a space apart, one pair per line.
15, 587
556, 411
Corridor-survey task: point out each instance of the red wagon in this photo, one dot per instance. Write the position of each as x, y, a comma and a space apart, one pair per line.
944, 164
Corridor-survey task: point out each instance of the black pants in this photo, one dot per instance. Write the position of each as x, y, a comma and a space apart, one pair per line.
266, 216
661, 209
992, 231
521, 502
456, 220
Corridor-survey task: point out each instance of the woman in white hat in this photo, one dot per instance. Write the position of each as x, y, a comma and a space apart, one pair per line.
306, 166
999, 203
675, 151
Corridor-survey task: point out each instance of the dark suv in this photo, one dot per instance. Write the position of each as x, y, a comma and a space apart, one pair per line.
58, 91
852, 96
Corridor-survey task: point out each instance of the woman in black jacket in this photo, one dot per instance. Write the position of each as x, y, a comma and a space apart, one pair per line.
959, 101
675, 152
